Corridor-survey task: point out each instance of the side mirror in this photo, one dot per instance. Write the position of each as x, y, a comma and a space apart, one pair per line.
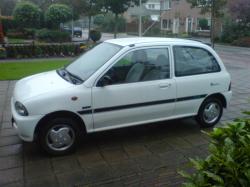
104, 81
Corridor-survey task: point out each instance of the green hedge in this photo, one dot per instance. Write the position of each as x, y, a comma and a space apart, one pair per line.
43, 50
53, 36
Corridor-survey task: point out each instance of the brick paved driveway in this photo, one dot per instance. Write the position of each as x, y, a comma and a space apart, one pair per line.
146, 155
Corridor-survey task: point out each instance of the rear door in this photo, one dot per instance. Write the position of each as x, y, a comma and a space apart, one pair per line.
197, 75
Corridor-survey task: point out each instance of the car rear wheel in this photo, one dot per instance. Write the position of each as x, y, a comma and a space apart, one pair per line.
210, 112
59, 136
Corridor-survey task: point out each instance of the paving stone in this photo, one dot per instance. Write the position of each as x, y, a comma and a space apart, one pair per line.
64, 165
38, 169
6, 125
15, 184
90, 159
42, 182
8, 132
10, 140
136, 150
112, 155
11, 175
172, 158
124, 167
10, 162
99, 173
149, 162
10, 150
71, 179
160, 147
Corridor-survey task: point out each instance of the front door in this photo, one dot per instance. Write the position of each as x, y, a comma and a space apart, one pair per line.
140, 90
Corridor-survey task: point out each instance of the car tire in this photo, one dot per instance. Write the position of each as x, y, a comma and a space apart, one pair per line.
59, 136
210, 112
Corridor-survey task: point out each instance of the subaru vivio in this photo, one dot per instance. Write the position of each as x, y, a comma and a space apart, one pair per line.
121, 83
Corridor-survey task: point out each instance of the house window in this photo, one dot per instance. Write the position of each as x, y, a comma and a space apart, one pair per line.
166, 4
151, 6
166, 24
203, 23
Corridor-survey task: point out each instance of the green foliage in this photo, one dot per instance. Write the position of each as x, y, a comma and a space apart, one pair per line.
229, 161
27, 15
243, 42
2, 53
203, 24
95, 35
206, 6
43, 50
52, 36
233, 31
107, 23
56, 14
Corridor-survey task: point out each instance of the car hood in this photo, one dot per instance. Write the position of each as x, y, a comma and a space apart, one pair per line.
39, 84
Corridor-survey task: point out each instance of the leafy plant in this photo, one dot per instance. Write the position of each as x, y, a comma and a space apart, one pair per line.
229, 161
52, 36
27, 15
2, 53
95, 35
56, 14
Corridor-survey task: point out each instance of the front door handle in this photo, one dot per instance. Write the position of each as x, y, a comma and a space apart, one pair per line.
167, 85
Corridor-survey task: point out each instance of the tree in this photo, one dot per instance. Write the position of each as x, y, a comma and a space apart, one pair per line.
56, 14
27, 15
118, 7
240, 10
215, 7
7, 7
91, 8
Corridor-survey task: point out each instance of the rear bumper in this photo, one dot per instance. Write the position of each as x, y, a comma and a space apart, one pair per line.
25, 125
228, 96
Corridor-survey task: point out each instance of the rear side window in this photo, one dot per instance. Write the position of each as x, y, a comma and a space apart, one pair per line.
193, 61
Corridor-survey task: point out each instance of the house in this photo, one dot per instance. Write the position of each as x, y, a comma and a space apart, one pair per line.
177, 16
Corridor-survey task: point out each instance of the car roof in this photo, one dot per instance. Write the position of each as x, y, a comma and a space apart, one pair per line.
145, 40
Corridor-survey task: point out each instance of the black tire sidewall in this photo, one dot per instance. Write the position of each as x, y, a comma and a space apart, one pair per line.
53, 122
200, 118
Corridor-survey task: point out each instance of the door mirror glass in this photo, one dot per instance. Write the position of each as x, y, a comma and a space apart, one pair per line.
104, 81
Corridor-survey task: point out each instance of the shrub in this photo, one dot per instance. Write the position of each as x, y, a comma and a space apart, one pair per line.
56, 14
2, 53
107, 23
242, 42
27, 15
229, 161
95, 35
203, 24
52, 36
43, 50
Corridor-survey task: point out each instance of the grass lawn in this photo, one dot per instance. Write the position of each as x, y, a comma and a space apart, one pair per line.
16, 40
18, 70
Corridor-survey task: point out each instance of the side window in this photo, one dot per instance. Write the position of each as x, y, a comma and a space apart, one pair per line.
141, 65
193, 61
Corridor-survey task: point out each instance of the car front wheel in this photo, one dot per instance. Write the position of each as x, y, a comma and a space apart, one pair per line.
59, 136
210, 112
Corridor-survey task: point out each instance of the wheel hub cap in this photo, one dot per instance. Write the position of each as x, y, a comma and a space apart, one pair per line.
60, 137
211, 112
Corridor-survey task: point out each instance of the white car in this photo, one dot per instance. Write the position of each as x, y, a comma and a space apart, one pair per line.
121, 83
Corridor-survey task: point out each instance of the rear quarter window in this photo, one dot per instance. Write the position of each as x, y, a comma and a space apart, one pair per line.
193, 61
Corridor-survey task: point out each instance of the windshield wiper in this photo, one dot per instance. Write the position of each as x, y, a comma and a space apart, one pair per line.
65, 74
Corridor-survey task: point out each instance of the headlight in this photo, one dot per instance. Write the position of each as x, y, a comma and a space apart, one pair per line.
20, 108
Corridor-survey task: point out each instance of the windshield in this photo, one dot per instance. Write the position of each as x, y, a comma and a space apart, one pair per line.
92, 60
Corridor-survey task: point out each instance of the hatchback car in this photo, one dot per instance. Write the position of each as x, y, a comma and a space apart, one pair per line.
121, 83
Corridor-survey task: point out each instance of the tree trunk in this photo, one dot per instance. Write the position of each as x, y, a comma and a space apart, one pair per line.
212, 30
89, 27
116, 25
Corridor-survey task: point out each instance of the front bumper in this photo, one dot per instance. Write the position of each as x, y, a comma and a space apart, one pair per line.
25, 125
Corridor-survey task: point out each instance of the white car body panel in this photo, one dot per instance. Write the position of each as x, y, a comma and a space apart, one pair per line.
115, 106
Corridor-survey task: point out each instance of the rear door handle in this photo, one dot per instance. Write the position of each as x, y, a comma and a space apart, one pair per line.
167, 85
